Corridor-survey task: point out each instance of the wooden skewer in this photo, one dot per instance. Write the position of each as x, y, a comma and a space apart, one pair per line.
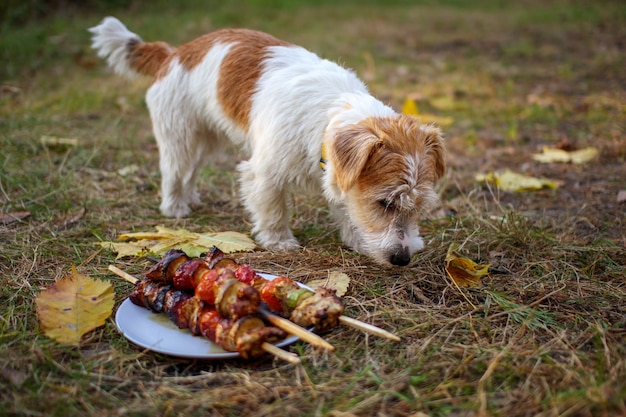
277, 321
369, 328
292, 328
128, 277
280, 354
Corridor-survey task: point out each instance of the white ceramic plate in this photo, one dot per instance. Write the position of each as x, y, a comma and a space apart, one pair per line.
156, 332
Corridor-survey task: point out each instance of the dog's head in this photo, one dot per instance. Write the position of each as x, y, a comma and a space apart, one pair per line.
382, 172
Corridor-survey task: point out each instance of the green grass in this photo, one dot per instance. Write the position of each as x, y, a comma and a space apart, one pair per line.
545, 338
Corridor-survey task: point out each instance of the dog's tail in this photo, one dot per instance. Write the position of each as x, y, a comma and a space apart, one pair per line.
125, 52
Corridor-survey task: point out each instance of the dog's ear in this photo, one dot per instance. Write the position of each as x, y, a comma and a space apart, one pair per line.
434, 151
349, 151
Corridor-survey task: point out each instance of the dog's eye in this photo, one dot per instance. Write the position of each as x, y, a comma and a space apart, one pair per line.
386, 204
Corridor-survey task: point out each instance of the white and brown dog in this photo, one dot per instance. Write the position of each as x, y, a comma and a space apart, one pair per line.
291, 112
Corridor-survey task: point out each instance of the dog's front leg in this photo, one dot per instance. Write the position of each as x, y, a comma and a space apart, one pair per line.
266, 202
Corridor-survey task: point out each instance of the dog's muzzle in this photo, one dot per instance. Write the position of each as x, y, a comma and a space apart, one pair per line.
401, 257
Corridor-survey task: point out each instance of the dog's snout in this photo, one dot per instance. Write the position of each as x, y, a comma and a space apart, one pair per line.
401, 258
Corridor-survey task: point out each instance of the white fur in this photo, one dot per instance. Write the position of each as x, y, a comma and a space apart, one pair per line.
300, 101
187, 128
110, 40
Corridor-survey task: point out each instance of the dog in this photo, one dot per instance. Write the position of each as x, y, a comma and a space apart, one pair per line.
303, 122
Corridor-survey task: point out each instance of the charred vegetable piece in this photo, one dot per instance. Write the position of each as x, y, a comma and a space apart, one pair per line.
233, 298
167, 266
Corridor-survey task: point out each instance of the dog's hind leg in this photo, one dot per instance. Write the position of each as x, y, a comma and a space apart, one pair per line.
175, 176
184, 142
266, 203
180, 161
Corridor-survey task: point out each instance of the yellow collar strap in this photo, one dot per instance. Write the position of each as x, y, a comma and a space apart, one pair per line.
323, 158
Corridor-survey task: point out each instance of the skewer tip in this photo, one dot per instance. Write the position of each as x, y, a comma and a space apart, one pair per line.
281, 354
128, 277
369, 328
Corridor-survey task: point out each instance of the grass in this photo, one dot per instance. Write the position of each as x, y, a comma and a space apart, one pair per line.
545, 338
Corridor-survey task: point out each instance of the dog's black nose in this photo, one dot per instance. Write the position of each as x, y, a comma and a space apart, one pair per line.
401, 258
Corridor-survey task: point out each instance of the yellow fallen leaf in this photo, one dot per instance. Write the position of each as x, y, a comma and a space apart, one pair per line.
162, 233
336, 280
410, 107
161, 246
559, 155
446, 103
73, 306
124, 249
584, 155
53, 141
552, 155
165, 239
128, 170
463, 271
442, 121
508, 180
227, 241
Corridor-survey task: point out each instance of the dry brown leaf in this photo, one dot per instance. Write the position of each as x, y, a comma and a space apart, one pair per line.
14, 376
6, 218
463, 271
336, 280
73, 306
70, 220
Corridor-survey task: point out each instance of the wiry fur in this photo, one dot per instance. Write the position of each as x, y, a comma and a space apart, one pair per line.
279, 103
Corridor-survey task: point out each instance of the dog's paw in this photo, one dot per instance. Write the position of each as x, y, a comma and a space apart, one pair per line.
277, 242
175, 210
194, 199
285, 246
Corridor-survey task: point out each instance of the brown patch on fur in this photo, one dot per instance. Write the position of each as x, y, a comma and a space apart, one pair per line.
192, 53
148, 58
240, 69
402, 136
435, 153
240, 72
350, 151
374, 152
